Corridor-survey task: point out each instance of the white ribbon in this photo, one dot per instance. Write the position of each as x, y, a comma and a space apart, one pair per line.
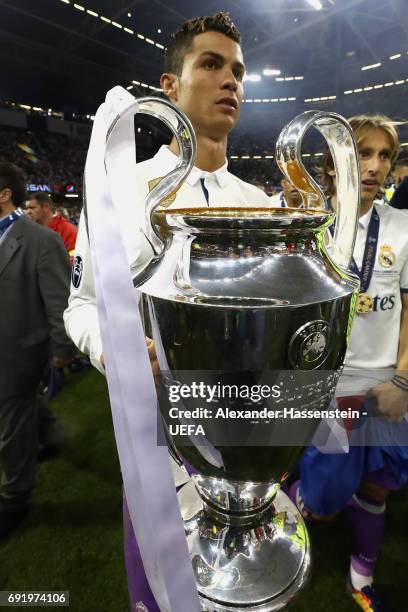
147, 477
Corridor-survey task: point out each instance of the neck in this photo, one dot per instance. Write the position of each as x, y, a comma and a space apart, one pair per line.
364, 205
6, 209
210, 153
48, 218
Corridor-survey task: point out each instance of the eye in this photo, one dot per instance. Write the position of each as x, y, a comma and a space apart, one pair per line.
238, 74
364, 154
210, 64
386, 156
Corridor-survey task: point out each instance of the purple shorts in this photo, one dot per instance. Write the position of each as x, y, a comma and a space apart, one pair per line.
139, 589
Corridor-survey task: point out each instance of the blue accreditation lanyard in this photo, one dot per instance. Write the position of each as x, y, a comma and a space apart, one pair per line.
370, 251
7, 221
365, 303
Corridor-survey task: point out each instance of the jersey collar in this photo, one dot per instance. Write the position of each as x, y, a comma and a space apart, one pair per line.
167, 159
364, 220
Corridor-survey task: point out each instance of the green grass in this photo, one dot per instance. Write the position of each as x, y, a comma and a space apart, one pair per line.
72, 538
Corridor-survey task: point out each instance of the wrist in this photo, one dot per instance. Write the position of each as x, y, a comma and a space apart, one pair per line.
401, 382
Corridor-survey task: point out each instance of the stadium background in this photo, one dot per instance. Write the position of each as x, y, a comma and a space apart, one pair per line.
58, 60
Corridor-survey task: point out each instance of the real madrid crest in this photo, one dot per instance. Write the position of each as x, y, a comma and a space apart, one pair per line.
386, 257
309, 345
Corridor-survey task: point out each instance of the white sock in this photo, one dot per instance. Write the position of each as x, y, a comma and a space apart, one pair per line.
358, 581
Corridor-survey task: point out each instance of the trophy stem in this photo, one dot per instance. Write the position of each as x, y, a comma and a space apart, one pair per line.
233, 503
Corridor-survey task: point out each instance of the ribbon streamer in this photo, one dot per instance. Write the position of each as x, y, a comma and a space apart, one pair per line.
147, 476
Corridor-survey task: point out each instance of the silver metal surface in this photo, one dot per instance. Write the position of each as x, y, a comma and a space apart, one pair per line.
248, 285
253, 290
339, 137
235, 502
183, 131
259, 568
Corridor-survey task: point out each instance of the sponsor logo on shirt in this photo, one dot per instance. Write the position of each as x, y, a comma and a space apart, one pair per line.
77, 270
383, 303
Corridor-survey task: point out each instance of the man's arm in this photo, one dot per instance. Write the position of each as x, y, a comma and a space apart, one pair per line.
53, 279
402, 365
81, 316
392, 398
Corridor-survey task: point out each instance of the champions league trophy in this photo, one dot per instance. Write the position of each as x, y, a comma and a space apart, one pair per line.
249, 290
247, 295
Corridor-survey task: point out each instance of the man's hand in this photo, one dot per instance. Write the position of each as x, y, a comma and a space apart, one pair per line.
392, 402
60, 362
152, 356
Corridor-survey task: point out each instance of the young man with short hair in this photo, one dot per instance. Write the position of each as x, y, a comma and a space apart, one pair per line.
203, 76
204, 73
39, 208
376, 369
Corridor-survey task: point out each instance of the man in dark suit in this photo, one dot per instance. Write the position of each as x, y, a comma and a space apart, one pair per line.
34, 288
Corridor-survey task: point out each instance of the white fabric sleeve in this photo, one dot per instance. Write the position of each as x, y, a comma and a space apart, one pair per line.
81, 316
404, 274
400, 227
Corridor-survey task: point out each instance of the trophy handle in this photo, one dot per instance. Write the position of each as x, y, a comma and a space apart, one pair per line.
183, 131
339, 137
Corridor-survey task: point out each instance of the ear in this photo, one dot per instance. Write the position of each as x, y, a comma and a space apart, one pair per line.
331, 173
170, 83
5, 195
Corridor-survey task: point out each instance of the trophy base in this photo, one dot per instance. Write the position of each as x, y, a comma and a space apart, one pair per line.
253, 568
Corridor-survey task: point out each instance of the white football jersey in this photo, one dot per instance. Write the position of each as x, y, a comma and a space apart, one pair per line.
375, 335
212, 189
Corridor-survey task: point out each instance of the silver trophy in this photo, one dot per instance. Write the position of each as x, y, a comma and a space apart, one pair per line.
242, 296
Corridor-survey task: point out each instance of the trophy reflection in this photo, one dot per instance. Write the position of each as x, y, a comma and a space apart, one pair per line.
239, 293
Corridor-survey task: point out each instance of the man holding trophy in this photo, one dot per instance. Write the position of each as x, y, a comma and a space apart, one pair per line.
240, 295
203, 75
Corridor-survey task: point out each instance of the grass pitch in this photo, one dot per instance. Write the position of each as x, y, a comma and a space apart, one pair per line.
72, 538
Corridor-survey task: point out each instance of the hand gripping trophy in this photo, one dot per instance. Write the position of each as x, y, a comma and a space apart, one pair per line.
236, 297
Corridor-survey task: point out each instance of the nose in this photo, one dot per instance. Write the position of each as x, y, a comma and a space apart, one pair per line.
374, 163
230, 81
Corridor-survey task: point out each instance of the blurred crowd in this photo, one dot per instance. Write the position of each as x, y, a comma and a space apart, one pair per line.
56, 160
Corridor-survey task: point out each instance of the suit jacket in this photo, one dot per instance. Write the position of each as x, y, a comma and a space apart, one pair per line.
34, 289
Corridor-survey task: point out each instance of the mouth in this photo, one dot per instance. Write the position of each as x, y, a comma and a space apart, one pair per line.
230, 103
370, 184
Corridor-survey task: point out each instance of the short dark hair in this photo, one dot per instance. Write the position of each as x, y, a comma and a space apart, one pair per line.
13, 178
182, 40
41, 196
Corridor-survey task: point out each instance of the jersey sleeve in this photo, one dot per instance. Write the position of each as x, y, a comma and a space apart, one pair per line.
404, 276
81, 317
404, 269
